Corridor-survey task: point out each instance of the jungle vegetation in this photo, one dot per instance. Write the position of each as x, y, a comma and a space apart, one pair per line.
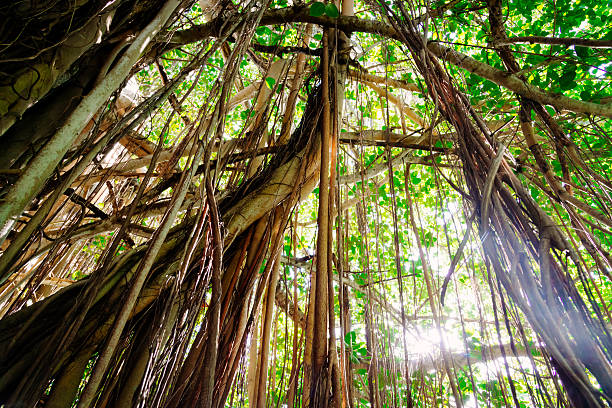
277, 203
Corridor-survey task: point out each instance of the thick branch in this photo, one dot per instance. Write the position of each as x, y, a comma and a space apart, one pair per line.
513, 83
537, 39
424, 141
353, 24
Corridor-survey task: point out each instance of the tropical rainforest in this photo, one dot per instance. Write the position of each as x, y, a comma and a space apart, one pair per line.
280, 203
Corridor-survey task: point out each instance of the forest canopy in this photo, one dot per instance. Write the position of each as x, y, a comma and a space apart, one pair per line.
279, 203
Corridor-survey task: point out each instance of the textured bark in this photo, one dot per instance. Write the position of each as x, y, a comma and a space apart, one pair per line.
36, 81
318, 385
66, 385
267, 317
208, 372
41, 167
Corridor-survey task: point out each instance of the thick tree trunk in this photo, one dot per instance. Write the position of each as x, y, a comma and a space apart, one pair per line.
41, 167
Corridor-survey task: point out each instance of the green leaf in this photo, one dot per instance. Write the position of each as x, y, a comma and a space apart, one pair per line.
585, 95
270, 82
582, 52
350, 338
552, 75
567, 80
535, 352
567, 85
331, 10
317, 9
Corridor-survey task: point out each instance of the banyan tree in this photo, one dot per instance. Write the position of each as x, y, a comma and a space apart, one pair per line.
280, 203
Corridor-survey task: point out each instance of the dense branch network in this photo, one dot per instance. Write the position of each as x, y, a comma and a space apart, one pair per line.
307, 206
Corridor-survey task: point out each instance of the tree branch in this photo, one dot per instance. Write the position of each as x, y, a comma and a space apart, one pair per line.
513, 83
351, 24
537, 39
